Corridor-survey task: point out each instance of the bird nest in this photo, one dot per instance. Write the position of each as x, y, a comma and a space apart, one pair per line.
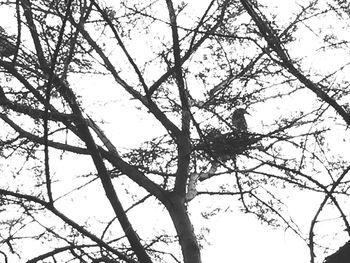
226, 145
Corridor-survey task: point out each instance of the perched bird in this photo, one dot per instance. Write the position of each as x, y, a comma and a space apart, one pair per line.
238, 120
226, 146
7, 48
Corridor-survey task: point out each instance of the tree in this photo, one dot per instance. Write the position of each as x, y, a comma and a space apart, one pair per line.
185, 67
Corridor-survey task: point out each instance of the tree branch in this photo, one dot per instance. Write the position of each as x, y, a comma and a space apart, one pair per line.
68, 221
274, 43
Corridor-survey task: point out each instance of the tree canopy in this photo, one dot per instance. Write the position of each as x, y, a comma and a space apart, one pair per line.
118, 125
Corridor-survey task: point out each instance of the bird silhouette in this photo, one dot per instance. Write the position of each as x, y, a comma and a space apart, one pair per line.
238, 120
7, 48
226, 146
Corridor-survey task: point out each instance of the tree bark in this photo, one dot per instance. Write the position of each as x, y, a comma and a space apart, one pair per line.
184, 229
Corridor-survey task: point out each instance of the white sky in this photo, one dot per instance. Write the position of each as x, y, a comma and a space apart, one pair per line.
238, 237
234, 236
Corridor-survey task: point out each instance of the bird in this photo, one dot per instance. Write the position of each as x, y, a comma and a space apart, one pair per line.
7, 48
238, 120
226, 146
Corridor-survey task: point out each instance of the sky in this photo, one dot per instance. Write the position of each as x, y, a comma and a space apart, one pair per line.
238, 237
234, 236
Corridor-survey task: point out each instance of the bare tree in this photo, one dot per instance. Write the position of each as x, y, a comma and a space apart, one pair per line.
187, 68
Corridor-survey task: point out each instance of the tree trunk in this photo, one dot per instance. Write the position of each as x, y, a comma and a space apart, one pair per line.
184, 229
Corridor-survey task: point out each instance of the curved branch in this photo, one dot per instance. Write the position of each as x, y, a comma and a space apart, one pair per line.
57, 251
190, 51
37, 139
68, 221
121, 44
274, 43
314, 220
151, 106
28, 13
